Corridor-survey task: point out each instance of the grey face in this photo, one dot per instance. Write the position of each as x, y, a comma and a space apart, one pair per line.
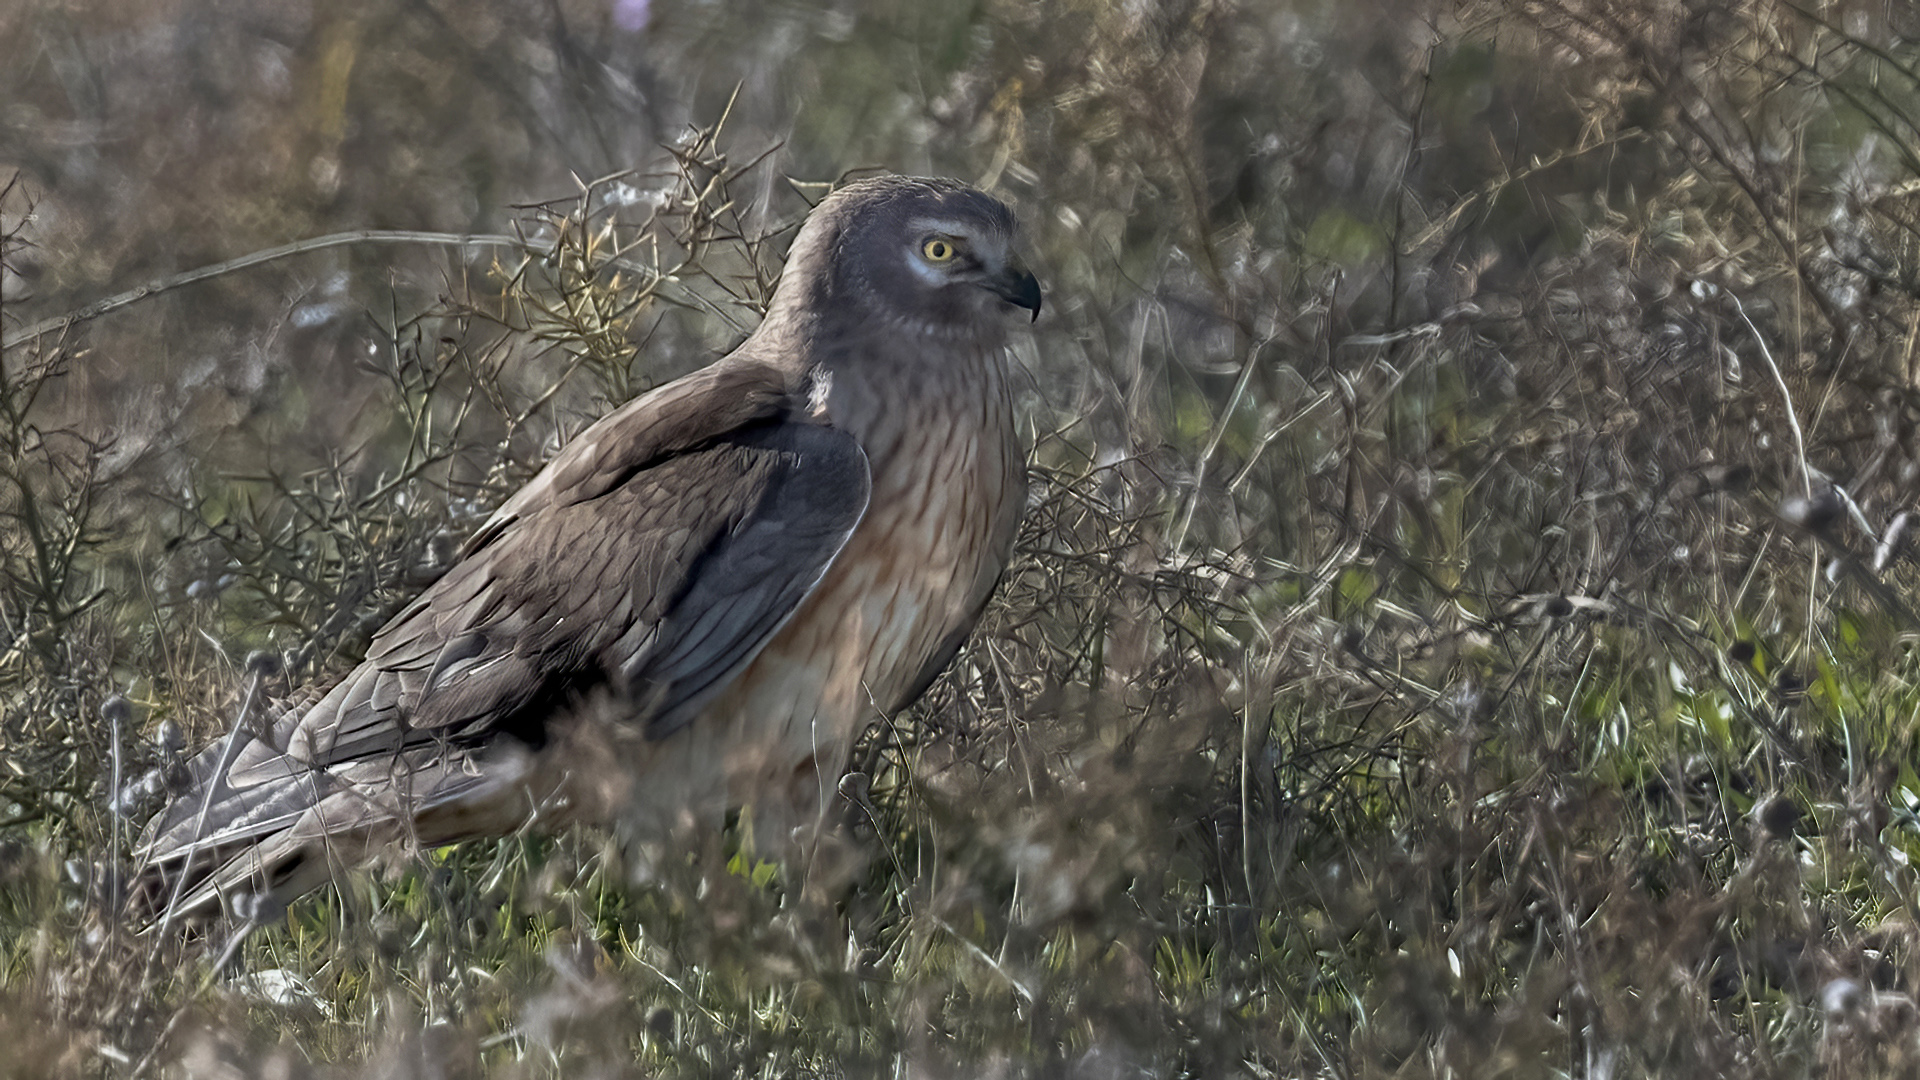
934, 256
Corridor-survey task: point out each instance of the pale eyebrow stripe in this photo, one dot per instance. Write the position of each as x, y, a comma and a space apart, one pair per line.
950, 226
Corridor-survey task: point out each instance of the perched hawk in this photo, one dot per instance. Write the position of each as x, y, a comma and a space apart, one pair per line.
697, 605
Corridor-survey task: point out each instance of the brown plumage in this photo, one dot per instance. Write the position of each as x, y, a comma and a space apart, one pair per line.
698, 604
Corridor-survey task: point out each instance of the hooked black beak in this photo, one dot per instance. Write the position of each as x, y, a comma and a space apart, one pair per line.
1017, 286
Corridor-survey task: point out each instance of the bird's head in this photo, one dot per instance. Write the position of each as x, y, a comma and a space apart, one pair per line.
925, 256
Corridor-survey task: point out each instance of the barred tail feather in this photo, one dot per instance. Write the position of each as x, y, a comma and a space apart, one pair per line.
251, 839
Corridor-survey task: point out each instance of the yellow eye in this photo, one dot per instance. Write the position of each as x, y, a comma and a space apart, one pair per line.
937, 249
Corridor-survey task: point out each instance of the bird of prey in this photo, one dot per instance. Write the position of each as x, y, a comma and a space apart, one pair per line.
697, 605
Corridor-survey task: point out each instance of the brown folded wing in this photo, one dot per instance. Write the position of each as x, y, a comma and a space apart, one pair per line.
654, 557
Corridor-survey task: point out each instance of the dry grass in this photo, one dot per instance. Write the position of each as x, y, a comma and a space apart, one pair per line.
1465, 626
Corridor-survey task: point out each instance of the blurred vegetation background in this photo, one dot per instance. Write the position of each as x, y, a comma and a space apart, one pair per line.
1466, 626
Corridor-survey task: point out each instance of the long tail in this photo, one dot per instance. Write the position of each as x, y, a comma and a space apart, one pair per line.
255, 828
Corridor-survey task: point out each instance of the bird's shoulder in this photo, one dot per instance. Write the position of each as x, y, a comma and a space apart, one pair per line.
671, 419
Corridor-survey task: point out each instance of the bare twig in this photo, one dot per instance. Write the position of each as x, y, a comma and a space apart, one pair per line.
62, 323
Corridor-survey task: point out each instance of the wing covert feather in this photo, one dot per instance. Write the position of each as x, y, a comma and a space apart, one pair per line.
682, 414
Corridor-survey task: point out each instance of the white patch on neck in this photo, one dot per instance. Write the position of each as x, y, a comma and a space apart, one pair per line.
819, 388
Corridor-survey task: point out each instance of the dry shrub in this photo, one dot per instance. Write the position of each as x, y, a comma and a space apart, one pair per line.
1464, 626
